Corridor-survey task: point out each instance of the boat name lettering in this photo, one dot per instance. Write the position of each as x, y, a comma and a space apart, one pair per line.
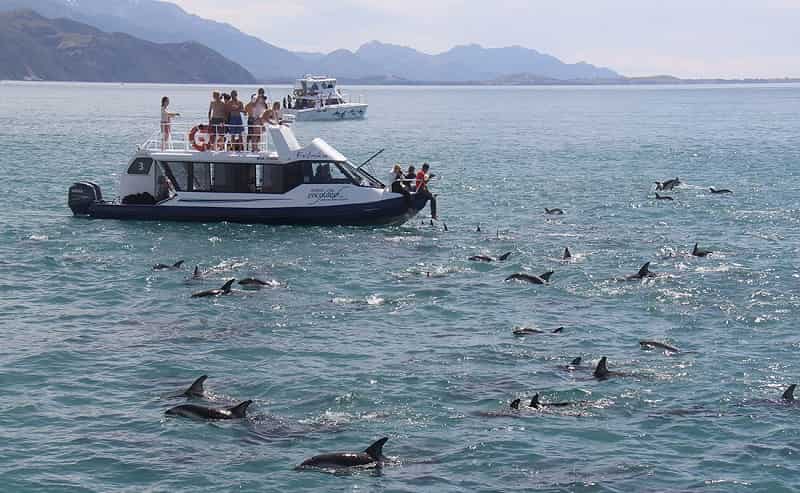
317, 195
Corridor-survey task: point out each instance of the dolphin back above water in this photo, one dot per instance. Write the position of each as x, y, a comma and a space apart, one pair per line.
176, 265
644, 271
789, 394
225, 289
193, 411
196, 389
371, 456
542, 279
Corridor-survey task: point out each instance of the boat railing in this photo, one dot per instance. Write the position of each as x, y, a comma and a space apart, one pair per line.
179, 137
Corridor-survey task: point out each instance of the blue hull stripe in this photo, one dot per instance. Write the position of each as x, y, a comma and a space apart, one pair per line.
390, 211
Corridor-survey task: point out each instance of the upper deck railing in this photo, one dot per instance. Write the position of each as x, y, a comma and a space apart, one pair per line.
180, 137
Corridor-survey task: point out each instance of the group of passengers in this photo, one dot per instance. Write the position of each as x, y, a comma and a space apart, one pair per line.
226, 130
413, 181
225, 122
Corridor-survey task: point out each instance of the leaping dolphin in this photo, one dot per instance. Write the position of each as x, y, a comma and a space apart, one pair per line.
238, 411
225, 289
663, 197
371, 456
668, 185
176, 265
542, 279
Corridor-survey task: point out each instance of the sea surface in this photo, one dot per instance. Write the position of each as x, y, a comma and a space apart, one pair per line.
391, 331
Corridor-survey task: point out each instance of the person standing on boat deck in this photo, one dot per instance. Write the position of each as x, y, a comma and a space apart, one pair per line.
216, 118
411, 176
275, 115
254, 130
166, 122
226, 99
235, 109
422, 187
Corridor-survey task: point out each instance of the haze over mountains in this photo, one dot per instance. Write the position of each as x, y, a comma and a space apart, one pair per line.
163, 22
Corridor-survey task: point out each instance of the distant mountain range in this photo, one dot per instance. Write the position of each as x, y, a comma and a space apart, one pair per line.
164, 22
33, 47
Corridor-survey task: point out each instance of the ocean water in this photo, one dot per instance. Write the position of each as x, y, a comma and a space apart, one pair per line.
356, 341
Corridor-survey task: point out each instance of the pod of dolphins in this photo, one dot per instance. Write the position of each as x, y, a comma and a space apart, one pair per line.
372, 456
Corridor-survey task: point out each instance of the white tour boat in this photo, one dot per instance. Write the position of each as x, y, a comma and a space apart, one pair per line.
318, 98
276, 182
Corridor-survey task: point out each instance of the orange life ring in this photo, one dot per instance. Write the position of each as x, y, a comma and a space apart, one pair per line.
199, 142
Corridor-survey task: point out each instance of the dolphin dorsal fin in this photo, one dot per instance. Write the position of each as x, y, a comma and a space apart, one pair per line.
177, 264
576, 361
567, 253
789, 394
504, 256
515, 403
197, 386
694, 249
644, 271
546, 275
601, 370
240, 410
226, 288
376, 449
535, 402
196, 272
547, 210
558, 330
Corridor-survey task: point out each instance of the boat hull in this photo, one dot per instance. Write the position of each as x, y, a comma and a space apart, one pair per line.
389, 211
346, 111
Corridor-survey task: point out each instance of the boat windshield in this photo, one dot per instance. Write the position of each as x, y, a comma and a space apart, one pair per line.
359, 176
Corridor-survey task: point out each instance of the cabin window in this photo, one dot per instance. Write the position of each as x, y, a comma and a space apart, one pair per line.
140, 166
234, 178
324, 173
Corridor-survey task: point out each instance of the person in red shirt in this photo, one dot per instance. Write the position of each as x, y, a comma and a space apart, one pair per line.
422, 187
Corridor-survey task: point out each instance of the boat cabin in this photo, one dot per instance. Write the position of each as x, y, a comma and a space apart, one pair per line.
313, 91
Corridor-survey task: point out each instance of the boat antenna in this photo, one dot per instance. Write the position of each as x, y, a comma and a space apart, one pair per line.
370, 159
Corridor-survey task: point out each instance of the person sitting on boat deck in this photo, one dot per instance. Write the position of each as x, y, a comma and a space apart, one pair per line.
235, 109
216, 119
166, 122
411, 177
422, 187
396, 182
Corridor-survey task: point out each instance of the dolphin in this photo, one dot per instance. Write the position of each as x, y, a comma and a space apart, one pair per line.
196, 389
176, 265
542, 279
573, 365
668, 185
697, 252
484, 258
658, 345
663, 197
789, 394
521, 331
478, 229
225, 289
644, 272
253, 282
601, 371
554, 210
445, 226
721, 190
567, 254
238, 411
537, 404
197, 274
371, 456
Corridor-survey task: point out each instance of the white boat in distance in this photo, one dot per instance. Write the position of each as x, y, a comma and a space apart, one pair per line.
276, 181
316, 98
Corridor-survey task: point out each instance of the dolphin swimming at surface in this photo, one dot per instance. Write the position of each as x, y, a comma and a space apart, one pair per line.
485, 258
658, 345
542, 279
643, 273
371, 456
225, 289
554, 210
567, 254
176, 265
238, 411
697, 252
521, 331
788, 395
601, 371
196, 389
721, 190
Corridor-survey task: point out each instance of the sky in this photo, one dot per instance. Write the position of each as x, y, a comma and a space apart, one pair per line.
685, 38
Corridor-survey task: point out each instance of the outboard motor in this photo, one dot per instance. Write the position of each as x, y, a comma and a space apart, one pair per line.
82, 195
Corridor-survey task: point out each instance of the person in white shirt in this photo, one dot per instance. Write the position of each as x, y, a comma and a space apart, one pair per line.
166, 122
